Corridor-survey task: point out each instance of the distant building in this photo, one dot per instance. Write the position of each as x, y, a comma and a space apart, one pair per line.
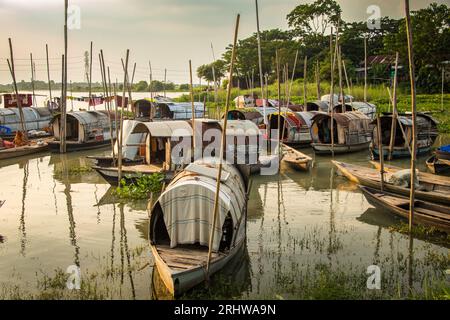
380, 68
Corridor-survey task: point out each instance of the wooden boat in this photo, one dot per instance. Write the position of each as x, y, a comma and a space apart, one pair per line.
433, 192
443, 153
84, 130
8, 153
352, 132
295, 158
35, 119
427, 134
424, 177
437, 166
180, 223
425, 213
167, 147
296, 126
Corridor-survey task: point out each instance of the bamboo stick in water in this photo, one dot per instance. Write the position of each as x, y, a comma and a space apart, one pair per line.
222, 146
413, 111
394, 111
19, 101
120, 139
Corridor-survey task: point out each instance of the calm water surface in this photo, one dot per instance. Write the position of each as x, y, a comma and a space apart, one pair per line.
53, 218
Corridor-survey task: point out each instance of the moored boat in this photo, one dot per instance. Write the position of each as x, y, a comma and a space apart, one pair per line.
424, 177
32, 148
84, 130
181, 221
443, 152
427, 134
352, 132
295, 158
432, 192
437, 166
425, 213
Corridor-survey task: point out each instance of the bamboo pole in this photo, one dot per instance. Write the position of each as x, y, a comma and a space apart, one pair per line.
288, 91
48, 76
222, 146
90, 79
399, 123
116, 126
125, 79
62, 127
341, 87
165, 79
32, 80
215, 80
318, 80
107, 100
193, 109
365, 69
71, 96
380, 150
260, 64
64, 100
331, 106
394, 111
442, 88
150, 87
305, 79
349, 88
277, 58
19, 102
413, 111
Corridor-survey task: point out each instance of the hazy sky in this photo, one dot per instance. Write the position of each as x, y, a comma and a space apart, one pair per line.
168, 32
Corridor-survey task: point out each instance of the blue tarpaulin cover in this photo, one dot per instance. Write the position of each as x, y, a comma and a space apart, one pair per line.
445, 148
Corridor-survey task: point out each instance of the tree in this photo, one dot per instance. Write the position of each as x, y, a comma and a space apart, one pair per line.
312, 20
431, 38
206, 71
141, 86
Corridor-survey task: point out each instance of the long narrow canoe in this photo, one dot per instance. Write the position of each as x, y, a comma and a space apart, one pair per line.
295, 158
425, 213
22, 151
425, 177
371, 178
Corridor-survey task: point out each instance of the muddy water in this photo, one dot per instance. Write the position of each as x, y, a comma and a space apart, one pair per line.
298, 222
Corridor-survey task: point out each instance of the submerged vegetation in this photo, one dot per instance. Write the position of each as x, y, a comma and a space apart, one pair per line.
140, 188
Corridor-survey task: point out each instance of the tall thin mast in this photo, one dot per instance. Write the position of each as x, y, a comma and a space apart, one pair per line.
261, 80
413, 111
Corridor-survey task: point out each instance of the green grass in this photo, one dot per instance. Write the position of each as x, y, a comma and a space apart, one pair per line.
141, 188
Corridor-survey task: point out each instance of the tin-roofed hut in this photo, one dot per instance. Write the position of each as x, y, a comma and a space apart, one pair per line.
427, 133
35, 119
352, 132
84, 130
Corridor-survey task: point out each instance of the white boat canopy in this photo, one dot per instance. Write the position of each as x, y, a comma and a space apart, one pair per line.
35, 118
164, 128
188, 203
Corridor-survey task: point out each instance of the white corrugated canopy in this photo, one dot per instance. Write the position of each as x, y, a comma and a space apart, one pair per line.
164, 128
188, 203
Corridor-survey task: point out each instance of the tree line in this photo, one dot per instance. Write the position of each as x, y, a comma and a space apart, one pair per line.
309, 34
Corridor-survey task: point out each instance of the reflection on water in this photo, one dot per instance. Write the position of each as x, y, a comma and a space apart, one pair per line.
298, 222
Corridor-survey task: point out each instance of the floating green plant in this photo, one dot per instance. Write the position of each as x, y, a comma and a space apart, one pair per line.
140, 188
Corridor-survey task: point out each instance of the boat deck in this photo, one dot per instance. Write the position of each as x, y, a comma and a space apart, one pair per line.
138, 168
185, 257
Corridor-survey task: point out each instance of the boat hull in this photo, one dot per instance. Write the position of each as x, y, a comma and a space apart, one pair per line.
324, 149
419, 219
436, 166
22, 151
178, 283
72, 147
442, 155
439, 197
398, 152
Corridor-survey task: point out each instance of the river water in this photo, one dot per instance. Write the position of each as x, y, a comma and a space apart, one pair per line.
301, 225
